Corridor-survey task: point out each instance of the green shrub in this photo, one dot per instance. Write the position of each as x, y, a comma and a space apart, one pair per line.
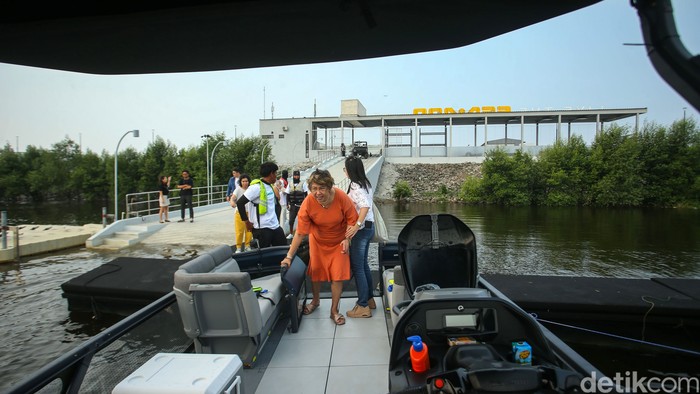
508, 180
471, 191
402, 191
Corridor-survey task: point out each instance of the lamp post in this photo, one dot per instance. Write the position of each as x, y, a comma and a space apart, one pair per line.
116, 174
211, 171
262, 154
207, 136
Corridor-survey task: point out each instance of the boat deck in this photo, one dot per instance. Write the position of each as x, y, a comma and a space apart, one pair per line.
324, 358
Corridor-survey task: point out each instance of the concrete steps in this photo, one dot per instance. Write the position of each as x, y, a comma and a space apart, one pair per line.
130, 235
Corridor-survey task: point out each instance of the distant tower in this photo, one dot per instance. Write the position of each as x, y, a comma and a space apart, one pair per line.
272, 110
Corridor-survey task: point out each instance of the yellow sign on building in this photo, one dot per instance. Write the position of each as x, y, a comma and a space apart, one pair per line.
450, 110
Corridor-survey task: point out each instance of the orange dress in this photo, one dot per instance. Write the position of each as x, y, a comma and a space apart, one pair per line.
326, 229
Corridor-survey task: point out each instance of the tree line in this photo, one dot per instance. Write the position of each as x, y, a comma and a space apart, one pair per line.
64, 172
655, 167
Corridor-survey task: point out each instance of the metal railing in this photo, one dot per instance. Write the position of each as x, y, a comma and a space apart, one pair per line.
323, 155
67, 373
147, 203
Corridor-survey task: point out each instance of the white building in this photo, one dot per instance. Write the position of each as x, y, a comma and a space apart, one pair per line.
433, 134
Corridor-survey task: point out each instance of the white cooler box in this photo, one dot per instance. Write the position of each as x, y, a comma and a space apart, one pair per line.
185, 373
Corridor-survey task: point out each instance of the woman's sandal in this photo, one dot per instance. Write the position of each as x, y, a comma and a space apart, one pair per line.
338, 319
310, 308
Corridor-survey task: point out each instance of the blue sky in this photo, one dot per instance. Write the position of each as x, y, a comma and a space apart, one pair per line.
574, 61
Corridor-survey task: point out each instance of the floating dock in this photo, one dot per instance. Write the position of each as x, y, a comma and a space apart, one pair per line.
663, 310
659, 310
37, 239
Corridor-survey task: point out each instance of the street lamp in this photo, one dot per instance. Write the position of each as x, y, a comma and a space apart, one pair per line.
116, 174
262, 154
211, 171
207, 136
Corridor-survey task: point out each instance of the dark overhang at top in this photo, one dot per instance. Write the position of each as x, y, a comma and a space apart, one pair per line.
493, 118
160, 36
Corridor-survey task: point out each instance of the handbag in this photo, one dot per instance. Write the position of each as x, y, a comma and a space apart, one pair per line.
380, 233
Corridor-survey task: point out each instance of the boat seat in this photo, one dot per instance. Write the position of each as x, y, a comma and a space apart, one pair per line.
220, 307
294, 280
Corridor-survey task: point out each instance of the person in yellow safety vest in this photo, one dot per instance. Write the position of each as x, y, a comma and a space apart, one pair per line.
264, 222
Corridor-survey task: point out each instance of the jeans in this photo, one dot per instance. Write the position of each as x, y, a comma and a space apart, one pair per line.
293, 211
359, 250
186, 200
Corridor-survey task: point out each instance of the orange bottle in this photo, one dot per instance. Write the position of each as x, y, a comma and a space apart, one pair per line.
420, 362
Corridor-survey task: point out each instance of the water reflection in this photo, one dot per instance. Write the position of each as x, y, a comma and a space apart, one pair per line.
627, 243
73, 213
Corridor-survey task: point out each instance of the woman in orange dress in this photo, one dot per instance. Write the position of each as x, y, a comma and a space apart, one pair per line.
326, 218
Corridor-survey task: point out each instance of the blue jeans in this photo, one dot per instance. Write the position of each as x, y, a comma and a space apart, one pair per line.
359, 250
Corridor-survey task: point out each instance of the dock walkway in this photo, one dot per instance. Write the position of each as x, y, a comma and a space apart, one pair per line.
37, 239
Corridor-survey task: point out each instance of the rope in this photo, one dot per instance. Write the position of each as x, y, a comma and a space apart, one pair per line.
677, 349
644, 320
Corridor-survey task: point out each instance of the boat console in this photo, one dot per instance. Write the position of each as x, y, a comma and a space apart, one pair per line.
477, 342
470, 337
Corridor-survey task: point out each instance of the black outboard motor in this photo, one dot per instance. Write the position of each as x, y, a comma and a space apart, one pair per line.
437, 249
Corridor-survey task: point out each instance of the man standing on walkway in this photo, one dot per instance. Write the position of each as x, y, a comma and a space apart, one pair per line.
185, 185
232, 183
263, 220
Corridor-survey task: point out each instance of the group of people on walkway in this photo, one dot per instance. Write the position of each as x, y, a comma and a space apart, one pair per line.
185, 184
339, 225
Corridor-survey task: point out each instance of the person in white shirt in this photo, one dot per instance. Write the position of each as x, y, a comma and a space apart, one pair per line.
360, 192
263, 219
282, 185
243, 235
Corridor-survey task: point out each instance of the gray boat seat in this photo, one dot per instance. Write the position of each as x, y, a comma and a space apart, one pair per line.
220, 309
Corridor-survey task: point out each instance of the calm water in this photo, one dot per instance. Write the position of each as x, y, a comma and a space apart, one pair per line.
71, 213
37, 326
622, 243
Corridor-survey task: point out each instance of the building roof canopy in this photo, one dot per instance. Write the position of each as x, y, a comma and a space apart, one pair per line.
470, 119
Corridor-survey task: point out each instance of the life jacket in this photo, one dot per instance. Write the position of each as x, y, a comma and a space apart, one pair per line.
262, 207
296, 196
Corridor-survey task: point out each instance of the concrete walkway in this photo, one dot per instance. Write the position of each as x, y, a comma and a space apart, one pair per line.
214, 226
37, 239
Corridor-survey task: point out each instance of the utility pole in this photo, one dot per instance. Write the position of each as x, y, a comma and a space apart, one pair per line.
207, 136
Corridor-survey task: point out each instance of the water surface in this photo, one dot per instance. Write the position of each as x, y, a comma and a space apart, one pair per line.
623, 243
